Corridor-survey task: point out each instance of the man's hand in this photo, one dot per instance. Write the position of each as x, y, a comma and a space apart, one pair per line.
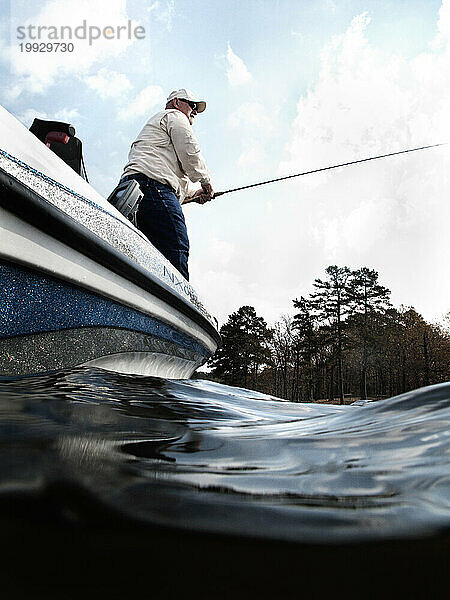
207, 190
200, 197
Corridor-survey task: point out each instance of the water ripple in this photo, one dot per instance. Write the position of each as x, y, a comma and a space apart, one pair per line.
202, 456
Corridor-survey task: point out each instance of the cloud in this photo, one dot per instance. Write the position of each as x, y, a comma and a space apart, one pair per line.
108, 83
144, 102
30, 114
237, 72
390, 214
67, 115
443, 36
251, 156
254, 125
251, 116
35, 71
364, 103
164, 12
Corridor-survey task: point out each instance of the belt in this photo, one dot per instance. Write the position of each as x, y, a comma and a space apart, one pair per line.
144, 178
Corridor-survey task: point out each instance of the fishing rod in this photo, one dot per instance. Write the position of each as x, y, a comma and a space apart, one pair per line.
353, 162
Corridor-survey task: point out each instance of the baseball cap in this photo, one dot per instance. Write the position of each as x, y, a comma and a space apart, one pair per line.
185, 94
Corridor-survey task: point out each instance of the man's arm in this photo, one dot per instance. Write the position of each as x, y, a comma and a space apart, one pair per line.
188, 150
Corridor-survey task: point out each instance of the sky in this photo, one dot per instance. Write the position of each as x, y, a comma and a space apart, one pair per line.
290, 86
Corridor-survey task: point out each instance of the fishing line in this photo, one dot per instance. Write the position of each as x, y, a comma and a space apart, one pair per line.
353, 162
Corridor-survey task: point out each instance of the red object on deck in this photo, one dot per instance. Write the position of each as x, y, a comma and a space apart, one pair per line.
56, 136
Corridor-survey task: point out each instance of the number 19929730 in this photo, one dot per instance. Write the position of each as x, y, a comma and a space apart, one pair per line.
46, 47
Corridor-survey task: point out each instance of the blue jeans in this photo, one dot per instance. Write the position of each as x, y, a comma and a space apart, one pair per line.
160, 217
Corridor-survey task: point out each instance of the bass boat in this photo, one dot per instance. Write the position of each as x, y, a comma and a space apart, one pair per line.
80, 284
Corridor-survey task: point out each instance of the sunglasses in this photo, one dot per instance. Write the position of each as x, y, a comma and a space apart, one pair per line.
192, 105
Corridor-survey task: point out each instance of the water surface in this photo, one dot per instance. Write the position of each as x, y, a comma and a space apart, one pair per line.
199, 456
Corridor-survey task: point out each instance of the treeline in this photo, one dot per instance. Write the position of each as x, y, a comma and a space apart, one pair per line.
345, 340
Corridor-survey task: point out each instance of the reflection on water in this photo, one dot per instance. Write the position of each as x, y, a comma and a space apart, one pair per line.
206, 457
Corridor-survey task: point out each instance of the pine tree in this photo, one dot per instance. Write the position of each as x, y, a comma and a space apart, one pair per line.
307, 340
244, 348
331, 303
366, 297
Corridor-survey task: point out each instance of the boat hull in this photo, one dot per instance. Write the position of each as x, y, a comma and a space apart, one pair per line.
50, 324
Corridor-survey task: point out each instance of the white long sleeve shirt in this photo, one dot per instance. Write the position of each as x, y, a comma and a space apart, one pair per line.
166, 150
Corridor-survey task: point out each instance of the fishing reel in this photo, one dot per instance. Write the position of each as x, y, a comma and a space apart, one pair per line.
126, 197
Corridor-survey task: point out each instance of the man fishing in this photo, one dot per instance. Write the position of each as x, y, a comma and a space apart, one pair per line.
166, 161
